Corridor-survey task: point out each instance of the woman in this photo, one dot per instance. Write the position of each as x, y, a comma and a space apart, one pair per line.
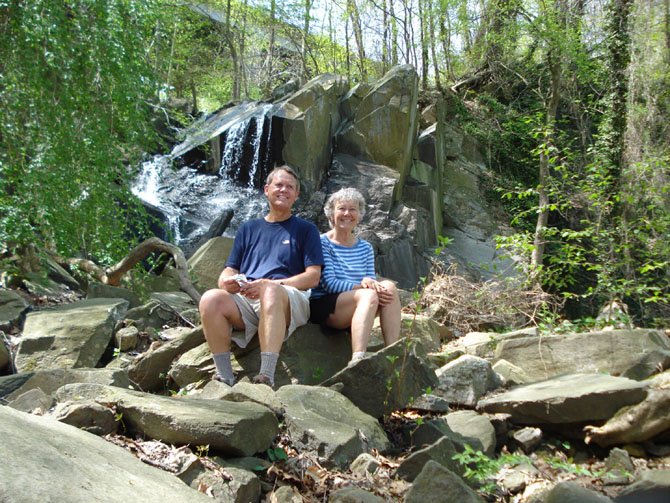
349, 294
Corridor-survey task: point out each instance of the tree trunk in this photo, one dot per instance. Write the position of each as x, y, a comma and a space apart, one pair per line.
544, 173
113, 275
358, 35
423, 35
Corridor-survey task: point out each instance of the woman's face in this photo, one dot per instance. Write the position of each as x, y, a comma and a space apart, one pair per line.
345, 215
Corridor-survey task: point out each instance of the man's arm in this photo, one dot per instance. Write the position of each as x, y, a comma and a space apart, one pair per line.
304, 280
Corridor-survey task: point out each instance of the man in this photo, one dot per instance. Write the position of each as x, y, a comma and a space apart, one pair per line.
280, 259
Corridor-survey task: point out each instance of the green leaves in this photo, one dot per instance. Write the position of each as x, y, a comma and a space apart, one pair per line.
74, 114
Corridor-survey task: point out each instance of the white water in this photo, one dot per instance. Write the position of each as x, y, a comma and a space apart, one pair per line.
191, 201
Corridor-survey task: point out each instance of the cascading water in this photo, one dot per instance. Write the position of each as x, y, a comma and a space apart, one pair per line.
192, 202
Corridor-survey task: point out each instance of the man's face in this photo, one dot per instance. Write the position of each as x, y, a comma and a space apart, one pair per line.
282, 191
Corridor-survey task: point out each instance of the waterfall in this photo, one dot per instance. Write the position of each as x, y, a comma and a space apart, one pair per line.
191, 201
246, 156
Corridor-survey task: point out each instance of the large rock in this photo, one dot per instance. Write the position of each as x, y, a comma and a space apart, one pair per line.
69, 336
435, 479
48, 381
208, 261
12, 306
567, 399
233, 428
381, 121
386, 381
76, 467
442, 452
149, 371
325, 422
635, 354
465, 380
310, 117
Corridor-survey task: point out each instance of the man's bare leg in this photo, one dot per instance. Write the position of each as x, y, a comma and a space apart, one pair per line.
275, 317
219, 314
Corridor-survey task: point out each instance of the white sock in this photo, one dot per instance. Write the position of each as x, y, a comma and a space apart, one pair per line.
358, 355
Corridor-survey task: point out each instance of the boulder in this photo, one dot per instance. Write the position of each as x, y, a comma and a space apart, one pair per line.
635, 354
12, 307
70, 335
76, 466
387, 380
233, 428
567, 399
48, 381
150, 370
381, 121
436, 479
208, 261
571, 492
465, 380
101, 291
309, 118
442, 452
467, 427
327, 423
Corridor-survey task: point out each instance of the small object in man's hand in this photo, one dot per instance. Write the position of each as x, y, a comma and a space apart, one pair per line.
240, 278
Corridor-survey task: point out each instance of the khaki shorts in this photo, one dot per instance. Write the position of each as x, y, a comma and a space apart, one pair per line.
250, 309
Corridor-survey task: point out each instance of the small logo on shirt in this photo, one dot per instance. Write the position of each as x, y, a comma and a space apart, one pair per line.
286, 242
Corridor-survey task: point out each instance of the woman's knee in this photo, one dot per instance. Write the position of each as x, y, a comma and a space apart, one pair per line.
368, 297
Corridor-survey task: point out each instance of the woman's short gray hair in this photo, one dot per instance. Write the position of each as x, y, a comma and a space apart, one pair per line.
348, 194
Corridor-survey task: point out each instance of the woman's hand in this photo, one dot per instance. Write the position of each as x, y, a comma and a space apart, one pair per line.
384, 295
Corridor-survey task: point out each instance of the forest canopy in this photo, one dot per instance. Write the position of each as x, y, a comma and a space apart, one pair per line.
571, 99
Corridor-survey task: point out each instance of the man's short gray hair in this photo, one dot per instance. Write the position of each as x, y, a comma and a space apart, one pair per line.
348, 194
289, 170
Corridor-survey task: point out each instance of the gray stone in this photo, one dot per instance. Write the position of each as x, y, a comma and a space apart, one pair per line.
76, 466
567, 399
620, 468
528, 438
12, 306
86, 415
384, 116
635, 354
509, 374
327, 423
309, 117
126, 338
5, 356
34, 401
233, 428
387, 380
468, 427
571, 492
149, 372
354, 495
436, 479
69, 336
101, 291
48, 381
442, 452
465, 380
243, 486
207, 263
364, 464
653, 487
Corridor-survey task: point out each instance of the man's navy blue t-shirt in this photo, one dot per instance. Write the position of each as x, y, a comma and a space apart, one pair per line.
275, 250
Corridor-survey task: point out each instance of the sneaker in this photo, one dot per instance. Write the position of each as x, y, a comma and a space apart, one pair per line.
263, 379
217, 377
